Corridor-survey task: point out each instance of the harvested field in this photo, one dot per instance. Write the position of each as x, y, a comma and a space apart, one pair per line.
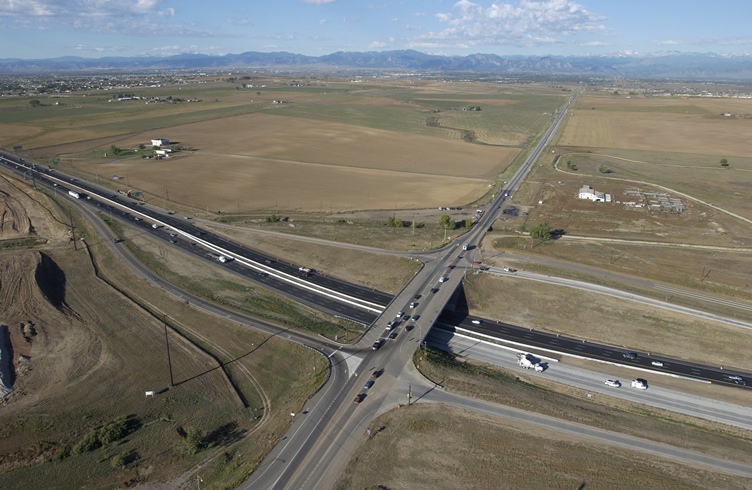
682, 125
265, 162
327, 146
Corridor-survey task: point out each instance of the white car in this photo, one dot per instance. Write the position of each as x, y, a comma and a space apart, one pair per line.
476, 322
657, 363
640, 384
400, 314
613, 383
509, 269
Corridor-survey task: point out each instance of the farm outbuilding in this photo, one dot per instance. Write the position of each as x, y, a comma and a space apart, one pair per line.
587, 192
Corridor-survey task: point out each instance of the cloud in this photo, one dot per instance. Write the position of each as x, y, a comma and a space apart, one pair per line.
528, 23
323, 21
377, 44
133, 16
318, 2
594, 43
706, 41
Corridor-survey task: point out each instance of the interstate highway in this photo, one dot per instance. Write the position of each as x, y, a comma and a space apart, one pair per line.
548, 344
337, 297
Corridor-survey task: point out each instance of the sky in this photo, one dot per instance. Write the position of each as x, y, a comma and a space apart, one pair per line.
34, 29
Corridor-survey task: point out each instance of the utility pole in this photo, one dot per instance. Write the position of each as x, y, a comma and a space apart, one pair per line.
409, 394
167, 344
73, 230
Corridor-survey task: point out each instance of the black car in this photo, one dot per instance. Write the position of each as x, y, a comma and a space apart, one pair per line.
377, 344
738, 380
630, 355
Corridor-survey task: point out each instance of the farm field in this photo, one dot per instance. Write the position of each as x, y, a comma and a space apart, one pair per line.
284, 148
92, 342
671, 124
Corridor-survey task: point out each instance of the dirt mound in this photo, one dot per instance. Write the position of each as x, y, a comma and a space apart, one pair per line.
50, 279
32, 305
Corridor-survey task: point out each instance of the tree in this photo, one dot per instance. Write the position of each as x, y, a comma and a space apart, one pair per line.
604, 169
468, 223
394, 222
446, 222
724, 162
541, 231
35, 103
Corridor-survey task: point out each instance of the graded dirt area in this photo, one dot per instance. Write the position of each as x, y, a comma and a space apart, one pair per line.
85, 352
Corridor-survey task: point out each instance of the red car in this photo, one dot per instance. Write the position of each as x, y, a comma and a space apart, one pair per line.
359, 398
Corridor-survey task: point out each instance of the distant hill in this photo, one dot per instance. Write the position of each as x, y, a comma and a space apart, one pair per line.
667, 65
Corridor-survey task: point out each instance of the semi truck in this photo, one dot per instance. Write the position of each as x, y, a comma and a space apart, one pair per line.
218, 257
74, 194
528, 361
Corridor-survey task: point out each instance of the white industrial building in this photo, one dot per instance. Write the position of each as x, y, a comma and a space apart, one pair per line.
587, 192
160, 142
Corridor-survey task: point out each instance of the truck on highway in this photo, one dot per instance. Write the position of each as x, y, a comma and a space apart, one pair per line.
528, 361
74, 194
218, 257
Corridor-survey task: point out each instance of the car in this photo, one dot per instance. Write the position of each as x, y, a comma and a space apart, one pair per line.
377, 344
408, 328
417, 296
368, 384
137, 218
443, 279
434, 290
400, 314
359, 398
393, 335
450, 267
413, 304
173, 241
613, 383
629, 355
640, 384
415, 318
390, 325
377, 373
657, 363
737, 379
509, 269
173, 234
476, 322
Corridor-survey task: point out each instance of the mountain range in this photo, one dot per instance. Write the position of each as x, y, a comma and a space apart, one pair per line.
666, 65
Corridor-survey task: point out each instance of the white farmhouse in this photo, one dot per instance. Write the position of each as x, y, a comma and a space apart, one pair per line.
587, 192
160, 142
